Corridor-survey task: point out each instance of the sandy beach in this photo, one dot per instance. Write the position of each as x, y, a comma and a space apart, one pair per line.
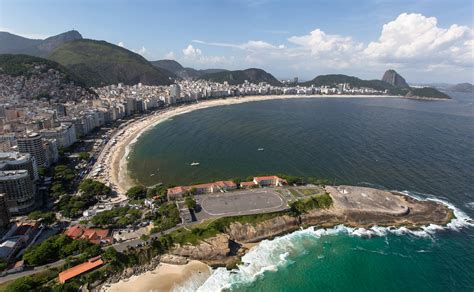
113, 158
165, 277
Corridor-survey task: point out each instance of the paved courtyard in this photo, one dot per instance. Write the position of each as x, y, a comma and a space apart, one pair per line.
241, 202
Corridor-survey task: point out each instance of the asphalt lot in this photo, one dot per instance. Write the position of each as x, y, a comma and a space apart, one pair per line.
241, 202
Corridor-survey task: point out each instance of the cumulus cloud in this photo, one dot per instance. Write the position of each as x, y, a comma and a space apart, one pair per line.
411, 42
195, 55
121, 44
417, 38
319, 43
142, 51
170, 55
191, 53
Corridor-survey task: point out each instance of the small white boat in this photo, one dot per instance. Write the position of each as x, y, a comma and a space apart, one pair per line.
194, 164
261, 149
152, 174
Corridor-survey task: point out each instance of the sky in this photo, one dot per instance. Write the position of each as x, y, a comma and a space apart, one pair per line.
425, 41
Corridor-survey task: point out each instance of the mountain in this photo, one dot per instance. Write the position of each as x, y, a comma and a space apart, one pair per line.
182, 72
252, 75
32, 77
392, 77
14, 44
335, 79
99, 63
462, 87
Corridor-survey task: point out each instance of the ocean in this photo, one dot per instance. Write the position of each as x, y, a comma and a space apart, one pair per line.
424, 148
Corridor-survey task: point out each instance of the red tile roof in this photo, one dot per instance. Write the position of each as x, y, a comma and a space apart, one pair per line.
79, 269
74, 231
93, 235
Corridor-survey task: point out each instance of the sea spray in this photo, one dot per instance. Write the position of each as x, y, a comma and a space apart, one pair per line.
270, 255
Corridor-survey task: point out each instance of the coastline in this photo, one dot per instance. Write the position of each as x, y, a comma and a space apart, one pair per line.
197, 273
114, 162
165, 277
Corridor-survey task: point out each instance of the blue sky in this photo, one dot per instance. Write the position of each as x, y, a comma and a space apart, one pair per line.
423, 40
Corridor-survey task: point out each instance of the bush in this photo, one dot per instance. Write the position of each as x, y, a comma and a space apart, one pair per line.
46, 217
190, 202
136, 192
94, 188
166, 217
315, 202
53, 249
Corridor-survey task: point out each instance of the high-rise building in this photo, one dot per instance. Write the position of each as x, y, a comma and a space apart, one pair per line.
175, 93
4, 213
19, 190
33, 143
18, 161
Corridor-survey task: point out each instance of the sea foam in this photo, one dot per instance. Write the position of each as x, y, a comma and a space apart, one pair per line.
270, 255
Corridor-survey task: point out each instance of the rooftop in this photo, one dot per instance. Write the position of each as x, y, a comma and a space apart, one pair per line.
79, 269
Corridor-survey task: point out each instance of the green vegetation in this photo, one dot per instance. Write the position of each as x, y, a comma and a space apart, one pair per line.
136, 192
210, 229
427, 92
95, 188
117, 217
3, 264
315, 202
55, 248
252, 75
157, 191
99, 63
36, 282
84, 155
190, 202
62, 177
335, 79
166, 217
45, 217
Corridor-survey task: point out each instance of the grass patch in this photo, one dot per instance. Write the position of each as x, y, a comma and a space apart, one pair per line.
214, 227
311, 191
295, 193
308, 204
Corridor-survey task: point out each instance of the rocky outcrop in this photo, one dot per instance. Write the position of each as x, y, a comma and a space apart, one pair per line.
173, 259
392, 77
266, 229
214, 248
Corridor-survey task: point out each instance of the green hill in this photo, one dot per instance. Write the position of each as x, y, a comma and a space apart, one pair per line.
335, 79
26, 65
252, 75
427, 92
99, 63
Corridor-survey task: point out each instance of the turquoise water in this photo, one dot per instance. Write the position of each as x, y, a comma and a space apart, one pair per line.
425, 148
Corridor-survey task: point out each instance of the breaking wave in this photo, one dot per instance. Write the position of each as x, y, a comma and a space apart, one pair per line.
270, 255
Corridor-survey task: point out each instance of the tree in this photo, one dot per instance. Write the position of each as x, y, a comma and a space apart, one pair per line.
94, 188
22, 284
190, 202
46, 217
84, 155
136, 192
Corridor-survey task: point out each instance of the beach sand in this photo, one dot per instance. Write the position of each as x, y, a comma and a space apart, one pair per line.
164, 278
113, 158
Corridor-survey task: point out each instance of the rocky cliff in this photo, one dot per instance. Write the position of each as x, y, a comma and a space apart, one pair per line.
267, 229
392, 77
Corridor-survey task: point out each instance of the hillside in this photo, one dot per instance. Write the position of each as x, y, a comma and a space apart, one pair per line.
33, 77
183, 72
14, 44
99, 63
462, 87
427, 92
335, 79
252, 75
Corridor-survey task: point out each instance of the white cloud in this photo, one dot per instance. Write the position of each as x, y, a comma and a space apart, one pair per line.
142, 51
196, 56
191, 53
250, 45
416, 38
320, 44
170, 55
121, 44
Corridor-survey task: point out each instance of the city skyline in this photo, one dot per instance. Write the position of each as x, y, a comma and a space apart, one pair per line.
427, 42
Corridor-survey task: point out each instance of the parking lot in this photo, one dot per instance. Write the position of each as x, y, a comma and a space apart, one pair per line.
241, 203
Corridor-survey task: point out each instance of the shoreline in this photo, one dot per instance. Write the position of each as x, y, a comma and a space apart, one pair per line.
194, 274
165, 277
114, 162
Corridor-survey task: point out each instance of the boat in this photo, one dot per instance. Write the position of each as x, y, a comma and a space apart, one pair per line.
152, 174
261, 149
194, 164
